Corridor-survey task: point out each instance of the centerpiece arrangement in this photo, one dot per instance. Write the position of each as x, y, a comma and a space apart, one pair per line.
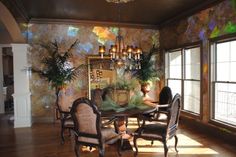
131, 96
139, 76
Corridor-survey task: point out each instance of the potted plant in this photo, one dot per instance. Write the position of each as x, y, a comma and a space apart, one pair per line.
147, 72
56, 66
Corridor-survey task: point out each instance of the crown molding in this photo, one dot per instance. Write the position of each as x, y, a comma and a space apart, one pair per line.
90, 23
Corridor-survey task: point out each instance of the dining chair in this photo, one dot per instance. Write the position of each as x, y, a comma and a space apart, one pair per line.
165, 98
89, 130
65, 118
96, 97
161, 131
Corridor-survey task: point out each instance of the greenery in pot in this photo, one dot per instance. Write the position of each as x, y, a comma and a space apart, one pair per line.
147, 72
56, 66
123, 84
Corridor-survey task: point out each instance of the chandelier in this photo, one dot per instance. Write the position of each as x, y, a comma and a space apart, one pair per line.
121, 54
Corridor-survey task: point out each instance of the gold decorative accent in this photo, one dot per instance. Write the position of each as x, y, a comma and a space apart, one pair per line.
119, 1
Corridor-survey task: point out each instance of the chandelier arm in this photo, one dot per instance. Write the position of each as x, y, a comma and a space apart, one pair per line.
119, 53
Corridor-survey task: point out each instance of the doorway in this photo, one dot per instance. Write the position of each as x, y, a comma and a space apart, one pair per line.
8, 83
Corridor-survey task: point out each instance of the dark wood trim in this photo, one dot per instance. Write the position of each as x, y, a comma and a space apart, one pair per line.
223, 125
190, 12
190, 114
90, 23
20, 9
185, 45
223, 38
201, 81
209, 129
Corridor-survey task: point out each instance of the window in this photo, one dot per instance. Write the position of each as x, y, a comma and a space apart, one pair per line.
192, 80
183, 76
223, 81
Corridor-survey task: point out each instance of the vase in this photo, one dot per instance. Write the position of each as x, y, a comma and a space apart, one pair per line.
145, 88
121, 97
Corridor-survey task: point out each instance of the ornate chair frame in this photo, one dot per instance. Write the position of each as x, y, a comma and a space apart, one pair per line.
99, 137
161, 132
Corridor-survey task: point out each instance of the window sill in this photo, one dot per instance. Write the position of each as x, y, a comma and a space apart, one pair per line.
222, 125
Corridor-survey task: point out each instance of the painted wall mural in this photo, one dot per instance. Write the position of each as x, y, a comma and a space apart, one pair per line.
89, 37
209, 23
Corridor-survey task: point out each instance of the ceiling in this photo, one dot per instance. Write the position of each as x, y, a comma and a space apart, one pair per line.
138, 12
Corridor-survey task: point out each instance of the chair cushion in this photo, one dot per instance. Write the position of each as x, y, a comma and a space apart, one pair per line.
108, 135
152, 130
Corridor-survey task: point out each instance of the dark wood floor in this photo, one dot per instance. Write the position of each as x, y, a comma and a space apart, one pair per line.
42, 140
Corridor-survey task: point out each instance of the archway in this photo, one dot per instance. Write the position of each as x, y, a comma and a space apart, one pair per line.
22, 103
11, 25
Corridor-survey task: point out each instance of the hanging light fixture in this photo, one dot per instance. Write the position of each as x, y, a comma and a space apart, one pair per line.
121, 54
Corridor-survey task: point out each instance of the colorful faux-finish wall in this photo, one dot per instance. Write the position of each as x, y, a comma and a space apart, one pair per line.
89, 37
212, 22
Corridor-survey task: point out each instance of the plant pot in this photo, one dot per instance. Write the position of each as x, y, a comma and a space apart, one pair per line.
145, 88
121, 97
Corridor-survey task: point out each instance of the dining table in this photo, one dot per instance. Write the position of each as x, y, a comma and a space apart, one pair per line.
122, 117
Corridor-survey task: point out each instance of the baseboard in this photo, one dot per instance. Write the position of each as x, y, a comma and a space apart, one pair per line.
42, 119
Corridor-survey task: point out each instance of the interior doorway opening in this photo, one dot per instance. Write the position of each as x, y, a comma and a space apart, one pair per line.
8, 79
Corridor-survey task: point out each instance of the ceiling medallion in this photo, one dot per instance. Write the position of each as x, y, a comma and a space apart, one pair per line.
119, 1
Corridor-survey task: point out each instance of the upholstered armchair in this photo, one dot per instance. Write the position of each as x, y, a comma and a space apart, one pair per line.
89, 131
161, 131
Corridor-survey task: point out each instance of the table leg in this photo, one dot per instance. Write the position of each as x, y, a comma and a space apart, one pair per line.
125, 137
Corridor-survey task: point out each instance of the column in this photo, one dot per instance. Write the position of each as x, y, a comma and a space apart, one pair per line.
22, 101
2, 106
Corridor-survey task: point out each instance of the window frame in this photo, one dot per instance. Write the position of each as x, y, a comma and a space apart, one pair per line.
183, 76
213, 78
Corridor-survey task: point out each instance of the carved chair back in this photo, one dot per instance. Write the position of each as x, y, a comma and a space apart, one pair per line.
87, 121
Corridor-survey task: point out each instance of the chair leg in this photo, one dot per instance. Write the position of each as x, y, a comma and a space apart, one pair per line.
119, 146
165, 148
135, 146
176, 142
62, 132
138, 121
116, 127
126, 121
76, 150
152, 142
101, 151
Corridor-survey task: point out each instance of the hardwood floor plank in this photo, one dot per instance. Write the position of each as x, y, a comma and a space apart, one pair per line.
43, 140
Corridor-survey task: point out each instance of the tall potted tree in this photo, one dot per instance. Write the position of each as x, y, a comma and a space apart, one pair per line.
147, 72
56, 66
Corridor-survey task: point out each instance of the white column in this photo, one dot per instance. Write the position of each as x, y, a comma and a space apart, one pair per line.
22, 101
2, 106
